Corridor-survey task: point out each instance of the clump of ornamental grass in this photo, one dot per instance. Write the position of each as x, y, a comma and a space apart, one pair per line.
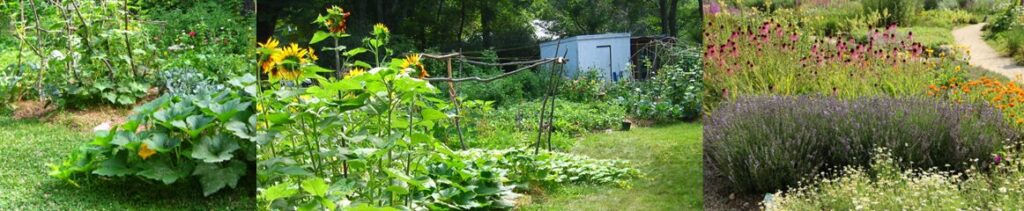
764, 144
885, 185
759, 55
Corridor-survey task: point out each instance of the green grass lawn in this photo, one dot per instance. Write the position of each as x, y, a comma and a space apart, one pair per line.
670, 157
27, 146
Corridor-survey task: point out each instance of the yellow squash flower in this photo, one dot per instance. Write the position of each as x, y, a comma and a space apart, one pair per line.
145, 151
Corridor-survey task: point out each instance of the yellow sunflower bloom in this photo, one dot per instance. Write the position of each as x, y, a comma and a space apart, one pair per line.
381, 28
355, 72
270, 44
311, 54
267, 63
288, 61
411, 61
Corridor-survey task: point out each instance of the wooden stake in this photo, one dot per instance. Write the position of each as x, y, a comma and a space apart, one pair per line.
455, 102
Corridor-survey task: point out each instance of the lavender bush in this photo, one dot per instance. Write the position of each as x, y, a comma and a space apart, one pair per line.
764, 144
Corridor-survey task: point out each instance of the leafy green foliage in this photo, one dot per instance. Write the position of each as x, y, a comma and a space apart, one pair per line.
570, 117
382, 137
1005, 21
586, 87
173, 137
87, 52
213, 37
897, 11
673, 95
28, 145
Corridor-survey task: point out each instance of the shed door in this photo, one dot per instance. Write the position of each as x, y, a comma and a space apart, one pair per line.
605, 63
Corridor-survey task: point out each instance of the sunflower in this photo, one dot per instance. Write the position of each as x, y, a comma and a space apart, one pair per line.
355, 72
289, 61
379, 28
336, 20
266, 62
411, 61
311, 54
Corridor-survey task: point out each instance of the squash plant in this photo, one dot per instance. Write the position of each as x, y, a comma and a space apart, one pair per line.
210, 137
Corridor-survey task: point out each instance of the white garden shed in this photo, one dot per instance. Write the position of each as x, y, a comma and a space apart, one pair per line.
606, 53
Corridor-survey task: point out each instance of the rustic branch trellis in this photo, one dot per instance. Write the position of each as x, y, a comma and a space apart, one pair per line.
550, 92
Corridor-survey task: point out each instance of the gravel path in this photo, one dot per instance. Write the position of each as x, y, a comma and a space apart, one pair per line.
984, 56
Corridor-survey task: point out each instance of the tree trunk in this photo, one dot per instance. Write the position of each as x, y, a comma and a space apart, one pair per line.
486, 18
673, 22
663, 15
462, 22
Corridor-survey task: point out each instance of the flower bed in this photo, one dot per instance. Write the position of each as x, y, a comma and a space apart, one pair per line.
764, 144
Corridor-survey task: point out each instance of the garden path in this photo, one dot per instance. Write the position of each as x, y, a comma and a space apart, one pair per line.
670, 156
984, 56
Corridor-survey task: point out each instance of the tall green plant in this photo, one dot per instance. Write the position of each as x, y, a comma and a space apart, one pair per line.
896, 11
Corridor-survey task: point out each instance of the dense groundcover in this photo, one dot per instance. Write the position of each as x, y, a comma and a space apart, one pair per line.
764, 144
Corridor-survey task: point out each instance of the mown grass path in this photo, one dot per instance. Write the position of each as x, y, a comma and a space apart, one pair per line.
670, 156
27, 146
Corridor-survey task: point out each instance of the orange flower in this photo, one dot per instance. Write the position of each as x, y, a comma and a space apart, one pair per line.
145, 151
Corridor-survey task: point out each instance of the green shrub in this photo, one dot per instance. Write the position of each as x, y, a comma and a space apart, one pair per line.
109, 52
764, 144
943, 18
209, 137
1014, 38
898, 11
884, 185
1005, 21
570, 117
221, 46
674, 94
585, 87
